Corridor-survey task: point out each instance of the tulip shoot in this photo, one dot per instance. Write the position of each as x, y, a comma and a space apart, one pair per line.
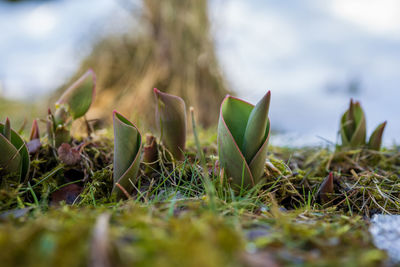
326, 189
73, 104
239, 122
353, 126
127, 152
171, 121
14, 157
77, 99
254, 135
353, 130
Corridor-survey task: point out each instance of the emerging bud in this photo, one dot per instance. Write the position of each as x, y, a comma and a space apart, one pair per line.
353, 129
243, 133
73, 104
77, 99
353, 126
326, 189
34, 131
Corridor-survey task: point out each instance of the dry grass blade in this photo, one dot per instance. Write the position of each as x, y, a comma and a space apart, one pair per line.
100, 246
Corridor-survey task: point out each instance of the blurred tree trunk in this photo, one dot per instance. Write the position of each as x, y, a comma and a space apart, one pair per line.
172, 50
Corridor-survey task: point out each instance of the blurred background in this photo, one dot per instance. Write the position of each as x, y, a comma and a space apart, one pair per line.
313, 55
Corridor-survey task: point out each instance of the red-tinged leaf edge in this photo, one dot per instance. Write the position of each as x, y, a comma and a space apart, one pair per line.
34, 131
249, 177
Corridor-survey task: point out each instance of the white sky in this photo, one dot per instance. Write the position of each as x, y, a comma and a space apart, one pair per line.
296, 49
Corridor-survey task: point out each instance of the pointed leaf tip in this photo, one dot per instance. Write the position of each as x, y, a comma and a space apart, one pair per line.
375, 140
326, 188
257, 128
353, 126
7, 129
34, 131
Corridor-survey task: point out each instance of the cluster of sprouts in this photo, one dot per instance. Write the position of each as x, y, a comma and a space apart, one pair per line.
243, 134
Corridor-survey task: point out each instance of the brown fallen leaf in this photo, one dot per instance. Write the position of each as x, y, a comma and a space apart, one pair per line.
67, 193
68, 155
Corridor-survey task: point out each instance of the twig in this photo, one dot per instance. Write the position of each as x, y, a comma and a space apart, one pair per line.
123, 190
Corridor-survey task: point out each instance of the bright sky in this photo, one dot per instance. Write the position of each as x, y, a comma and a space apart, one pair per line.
42, 43
297, 49
300, 49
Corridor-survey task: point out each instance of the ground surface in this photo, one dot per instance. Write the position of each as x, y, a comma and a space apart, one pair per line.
184, 214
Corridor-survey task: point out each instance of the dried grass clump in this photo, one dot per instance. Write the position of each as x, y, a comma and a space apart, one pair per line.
171, 49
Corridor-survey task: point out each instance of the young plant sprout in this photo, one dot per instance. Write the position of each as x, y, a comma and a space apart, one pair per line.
243, 133
353, 130
14, 156
76, 100
326, 189
171, 121
127, 152
34, 139
73, 104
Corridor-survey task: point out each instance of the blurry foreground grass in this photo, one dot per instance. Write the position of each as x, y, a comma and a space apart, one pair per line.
186, 233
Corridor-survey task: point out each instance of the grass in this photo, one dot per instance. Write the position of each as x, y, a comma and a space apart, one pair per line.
185, 214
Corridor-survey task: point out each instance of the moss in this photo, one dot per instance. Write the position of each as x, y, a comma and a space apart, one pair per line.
149, 235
